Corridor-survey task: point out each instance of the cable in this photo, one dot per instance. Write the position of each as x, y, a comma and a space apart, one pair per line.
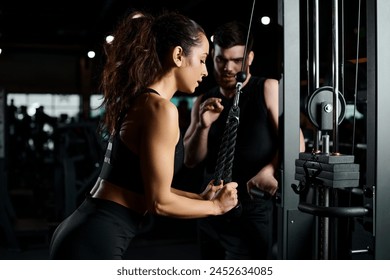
224, 166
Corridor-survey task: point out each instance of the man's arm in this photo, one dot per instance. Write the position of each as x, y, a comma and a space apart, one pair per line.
265, 179
195, 139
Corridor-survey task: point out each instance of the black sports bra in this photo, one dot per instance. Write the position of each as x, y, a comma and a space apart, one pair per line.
122, 167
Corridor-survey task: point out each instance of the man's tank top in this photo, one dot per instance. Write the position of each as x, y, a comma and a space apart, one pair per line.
122, 167
256, 142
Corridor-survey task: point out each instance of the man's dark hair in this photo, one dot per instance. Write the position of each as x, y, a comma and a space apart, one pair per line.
232, 33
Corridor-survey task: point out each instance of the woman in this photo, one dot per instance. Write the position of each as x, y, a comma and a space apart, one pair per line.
149, 60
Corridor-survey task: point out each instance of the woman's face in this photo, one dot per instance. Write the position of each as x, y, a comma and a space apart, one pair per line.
194, 67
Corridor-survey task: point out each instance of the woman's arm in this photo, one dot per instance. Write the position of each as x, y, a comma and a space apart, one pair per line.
157, 149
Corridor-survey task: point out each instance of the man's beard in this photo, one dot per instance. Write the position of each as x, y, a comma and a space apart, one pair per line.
227, 82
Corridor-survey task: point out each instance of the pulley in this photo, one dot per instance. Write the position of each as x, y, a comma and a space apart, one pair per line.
320, 108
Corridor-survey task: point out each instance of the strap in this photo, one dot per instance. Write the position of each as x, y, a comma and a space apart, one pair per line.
151, 90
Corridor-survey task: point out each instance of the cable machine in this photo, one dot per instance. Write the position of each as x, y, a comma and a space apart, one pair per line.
313, 216
325, 176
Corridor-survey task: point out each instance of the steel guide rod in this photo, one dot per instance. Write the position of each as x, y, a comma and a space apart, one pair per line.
335, 68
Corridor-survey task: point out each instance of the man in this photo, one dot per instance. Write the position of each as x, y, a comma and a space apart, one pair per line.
250, 235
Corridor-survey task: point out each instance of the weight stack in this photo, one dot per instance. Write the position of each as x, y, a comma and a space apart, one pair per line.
336, 171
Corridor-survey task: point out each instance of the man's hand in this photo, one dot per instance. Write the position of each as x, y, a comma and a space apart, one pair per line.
209, 111
265, 181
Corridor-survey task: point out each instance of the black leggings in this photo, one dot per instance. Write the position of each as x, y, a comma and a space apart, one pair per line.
98, 229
